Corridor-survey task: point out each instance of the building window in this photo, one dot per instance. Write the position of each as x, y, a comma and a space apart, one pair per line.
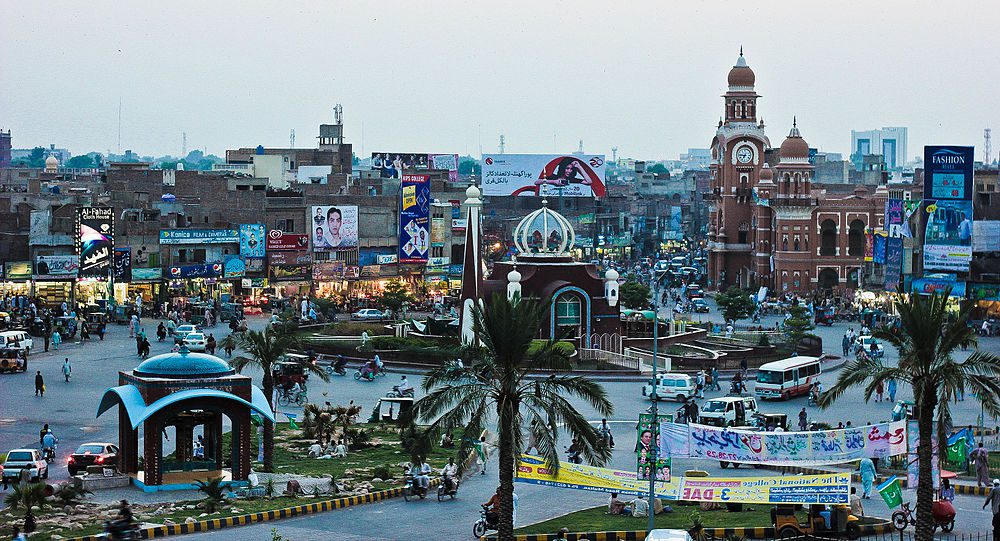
199, 255
437, 251
856, 239
828, 238
742, 233
568, 310
182, 256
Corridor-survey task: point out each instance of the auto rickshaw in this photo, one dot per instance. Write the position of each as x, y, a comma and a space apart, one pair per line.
290, 371
13, 360
5, 321
824, 315
94, 321
822, 520
388, 409
66, 326
903, 410
764, 420
229, 310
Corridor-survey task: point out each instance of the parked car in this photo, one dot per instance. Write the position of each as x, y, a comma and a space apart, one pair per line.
728, 411
195, 341
864, 343
19, 459
92, 454
13, 360
694, 291
17, 340
369, 314
182, 331
670, 385
700, 306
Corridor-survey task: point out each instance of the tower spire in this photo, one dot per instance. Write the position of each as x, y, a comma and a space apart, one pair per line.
741, 50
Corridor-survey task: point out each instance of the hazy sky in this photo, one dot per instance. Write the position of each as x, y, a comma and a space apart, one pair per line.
451, 76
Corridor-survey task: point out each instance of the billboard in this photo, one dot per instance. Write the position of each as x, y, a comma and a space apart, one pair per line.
893, 262
252, 240
17, 270
948, 204
278, 241
199, 236
56, 266
414, 206
233, 267
561, 174
95, 242
289, 258
282, 273
948, 172
313, 174
123, 264
334, 228
139, 275
395, 164
328, 270
204, 270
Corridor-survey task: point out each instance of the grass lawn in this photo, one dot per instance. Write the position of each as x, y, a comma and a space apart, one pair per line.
596, 519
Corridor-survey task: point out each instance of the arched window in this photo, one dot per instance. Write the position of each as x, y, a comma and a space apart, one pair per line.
743, 109
796, 244
743, 233
856, 239
784, 244
568, 313
828, 237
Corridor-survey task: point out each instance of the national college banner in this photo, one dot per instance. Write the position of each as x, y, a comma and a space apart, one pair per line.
814, 448
532, 469
831, 488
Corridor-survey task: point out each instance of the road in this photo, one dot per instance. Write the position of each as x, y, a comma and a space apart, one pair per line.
69, 408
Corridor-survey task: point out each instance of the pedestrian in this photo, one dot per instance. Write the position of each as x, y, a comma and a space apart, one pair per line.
100, 330
879, 391
700, 384
715, 379
210, 344
67, 369
891, 388
84, 333
867, 468
981, 458
743, 366
692, 412
846, 343
994, 500
138, 345
482, 454
56, 339
46, 335
228, 345
144, 350
803, 420
39, 384
133, 326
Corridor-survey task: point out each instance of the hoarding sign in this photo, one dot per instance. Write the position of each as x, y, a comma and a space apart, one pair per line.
95, 242
334, 228
894, 217
534, 470
252, 240
948, 236
139, 275
56, 266
458, 224
18, 270
648, 433
928, 285
414, 204
254, 264
203, 270
328, 270
878, 246
280, 241
525, 174
284, 273
395, 164
893, 262
234, 267
199, 236
833, 488
123, 264
984, 292
289, 258
948, 172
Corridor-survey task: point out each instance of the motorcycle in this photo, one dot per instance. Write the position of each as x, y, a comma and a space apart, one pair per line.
483, 524
121, 530
574, 457
337, 368
443, 489
49, 454
412, 489
358, 375
396, 393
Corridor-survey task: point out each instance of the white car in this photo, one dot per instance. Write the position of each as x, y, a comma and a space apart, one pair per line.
17, 340
195, 341
19, 459
864, 343
368, 314
183, 330
668, 385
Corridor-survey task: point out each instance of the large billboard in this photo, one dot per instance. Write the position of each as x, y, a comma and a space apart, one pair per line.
561, 174
199, 236
252, 240
278, 241
394, 164
123, 264
95, 240
56, 266
948, 206
334, 228
414, 221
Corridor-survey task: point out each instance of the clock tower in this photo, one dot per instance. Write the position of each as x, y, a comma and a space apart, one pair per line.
737, 159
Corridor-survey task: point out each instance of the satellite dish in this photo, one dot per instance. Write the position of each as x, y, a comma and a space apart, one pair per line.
168, 198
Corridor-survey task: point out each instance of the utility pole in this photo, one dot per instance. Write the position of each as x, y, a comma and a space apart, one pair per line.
184, 145
502, 143
654, 450
987, 148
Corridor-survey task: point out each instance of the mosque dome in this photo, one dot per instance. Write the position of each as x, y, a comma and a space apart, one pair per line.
51, 163
544, 232
472, 192
794, 146
741, 76
183, 365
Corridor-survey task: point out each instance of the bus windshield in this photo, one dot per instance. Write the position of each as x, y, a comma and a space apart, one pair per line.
765, 376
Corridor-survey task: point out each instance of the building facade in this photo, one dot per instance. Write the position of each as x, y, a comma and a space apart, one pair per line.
890, 143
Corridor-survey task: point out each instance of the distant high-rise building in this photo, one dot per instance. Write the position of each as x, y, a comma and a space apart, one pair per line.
696, 158
890, 143
5, 149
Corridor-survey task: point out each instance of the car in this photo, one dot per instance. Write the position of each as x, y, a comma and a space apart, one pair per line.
864, 343
13, 360
183, 330
700, 306
670, 385
370, 314
728, 411
92, 454
19, 339
20, 459
694, 291
195, 341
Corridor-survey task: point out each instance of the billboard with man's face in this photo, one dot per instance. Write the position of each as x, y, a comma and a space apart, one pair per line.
334, 228
552, 174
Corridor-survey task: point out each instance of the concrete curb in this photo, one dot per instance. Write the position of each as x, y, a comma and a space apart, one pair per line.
263, 516
760, 532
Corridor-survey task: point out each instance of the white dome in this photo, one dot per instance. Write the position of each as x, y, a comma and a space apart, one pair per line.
472, 192
513, 276
544, 231
612, 274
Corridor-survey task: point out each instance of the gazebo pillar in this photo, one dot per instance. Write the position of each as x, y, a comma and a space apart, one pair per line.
128, 444
185, 438
241, 443
152, 444
213, 440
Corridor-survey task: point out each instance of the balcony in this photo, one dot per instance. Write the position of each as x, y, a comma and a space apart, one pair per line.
792, 201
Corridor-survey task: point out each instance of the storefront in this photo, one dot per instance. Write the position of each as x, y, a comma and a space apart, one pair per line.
145, 282
291, 280
328, 280
54, 276
199, 280
92, 291
986, 299
17, 278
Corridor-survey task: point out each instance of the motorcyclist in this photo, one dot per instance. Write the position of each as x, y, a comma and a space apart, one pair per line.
450, 475
339, 364
420, 479
379, 367
49, 442
606, 433
574, 452
404, 387
368, 370
492, 508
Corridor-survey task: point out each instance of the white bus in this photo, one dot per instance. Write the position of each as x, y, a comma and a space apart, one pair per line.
788, 377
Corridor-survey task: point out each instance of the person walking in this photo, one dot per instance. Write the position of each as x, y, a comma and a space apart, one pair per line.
994, 499
891, 388
846, 343
47, 338
39, 384
56, 339
867, 469
700, 384
67, 369
715, 379
803, 420
981, 458
879, 391
482, 454
211, 344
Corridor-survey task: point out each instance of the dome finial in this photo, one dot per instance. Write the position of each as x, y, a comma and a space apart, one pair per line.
741, 50
795, 121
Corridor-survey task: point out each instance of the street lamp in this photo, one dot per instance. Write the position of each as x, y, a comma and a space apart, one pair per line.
654, 451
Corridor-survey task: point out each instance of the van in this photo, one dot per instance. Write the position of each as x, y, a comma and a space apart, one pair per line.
17, 340
728, 411
787, 378
670, 385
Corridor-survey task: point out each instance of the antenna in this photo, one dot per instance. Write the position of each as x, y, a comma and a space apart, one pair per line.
291, 138
614, 154
987, 148
184, 144
502, 143
580, 150
119, 124
338, 114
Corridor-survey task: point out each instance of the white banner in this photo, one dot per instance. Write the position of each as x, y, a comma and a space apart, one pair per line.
561, 174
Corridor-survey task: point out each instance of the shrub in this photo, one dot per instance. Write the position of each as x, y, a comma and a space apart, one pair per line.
70, 494
215, 492
383, 472
358, 439
763, 342
354, 328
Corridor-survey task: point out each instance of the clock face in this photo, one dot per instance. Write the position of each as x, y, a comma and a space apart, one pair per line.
744, 155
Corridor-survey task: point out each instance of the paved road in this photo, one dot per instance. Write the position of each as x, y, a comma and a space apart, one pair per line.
70, 409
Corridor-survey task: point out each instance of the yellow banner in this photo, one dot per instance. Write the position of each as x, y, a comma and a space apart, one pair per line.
532, 469
831, 489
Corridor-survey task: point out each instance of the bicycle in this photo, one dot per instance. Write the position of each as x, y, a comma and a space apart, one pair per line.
298, 397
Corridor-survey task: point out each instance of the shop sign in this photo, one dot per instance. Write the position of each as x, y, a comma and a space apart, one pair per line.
206, 270
371, 271
926, 286
386, 259
254, 264
254, 282
438, 261
95, 232
436, 270
984, 292
458, 224
290, 258
352, 271
139, 275
199, 236
234, 267
18, 270
325, 271
283, 273
455, 270
56, 266
251, 240
123, 264
280, 241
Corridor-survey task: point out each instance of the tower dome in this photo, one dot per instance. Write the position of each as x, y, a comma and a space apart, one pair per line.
794, 147
51, 163
766, 173
741, 76
544, 232
183, 365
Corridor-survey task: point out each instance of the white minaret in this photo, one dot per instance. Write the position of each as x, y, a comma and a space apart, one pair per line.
472, 270
611, 287
513, 284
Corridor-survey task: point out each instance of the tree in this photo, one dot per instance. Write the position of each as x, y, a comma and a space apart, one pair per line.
467, 165
394, 296
35, 159
798, 325
214, 489
634, 295
658, 168
497, 386
85, 161
26, 496
735, 303
345, 416
927, 339
262, 351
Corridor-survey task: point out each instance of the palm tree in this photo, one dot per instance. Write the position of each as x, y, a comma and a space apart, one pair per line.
26, 496
499, 384
263, 350
926, 338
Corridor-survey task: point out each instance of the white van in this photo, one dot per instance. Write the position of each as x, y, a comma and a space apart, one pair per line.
670, 385
17, 340
786, 378
728, 411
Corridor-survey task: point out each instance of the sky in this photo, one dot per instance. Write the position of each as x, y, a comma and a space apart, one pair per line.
442, 76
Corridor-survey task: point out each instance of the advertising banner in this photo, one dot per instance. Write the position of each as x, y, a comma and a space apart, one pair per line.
313, 174
813, 448
984, 292
289, 258
869, 244
394, 164
334, 228
204, 270
199, 236
831, 488
252, 240
675, 218
948, 237
284, 273
948, 172
878, 246
894, 217
255, 265
123, 264
534, 470
648, 432
278, 241
893, 262
386, 259
438, 228
17, 270
986, 236
147, 275
525, 174
234, 267
56, 266
926, 286
414, 204
95, 242
325, 271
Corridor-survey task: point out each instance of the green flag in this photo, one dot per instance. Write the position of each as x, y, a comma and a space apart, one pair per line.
957, 451
255, 420
291, 420
891, 492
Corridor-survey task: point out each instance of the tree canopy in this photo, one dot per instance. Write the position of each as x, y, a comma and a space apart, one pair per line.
634, 295
735, 303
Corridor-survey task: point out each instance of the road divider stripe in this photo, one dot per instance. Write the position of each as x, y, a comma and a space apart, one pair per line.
758, 532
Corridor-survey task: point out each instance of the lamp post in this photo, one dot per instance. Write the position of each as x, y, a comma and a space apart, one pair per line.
654, 444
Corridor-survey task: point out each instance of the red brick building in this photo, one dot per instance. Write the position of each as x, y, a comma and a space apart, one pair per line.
769, 224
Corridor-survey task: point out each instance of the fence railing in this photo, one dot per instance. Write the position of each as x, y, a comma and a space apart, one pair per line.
617, 360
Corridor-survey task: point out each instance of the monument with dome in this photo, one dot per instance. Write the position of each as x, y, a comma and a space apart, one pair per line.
584, 301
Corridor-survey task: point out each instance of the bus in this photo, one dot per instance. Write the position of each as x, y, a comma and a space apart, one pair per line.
788, 377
